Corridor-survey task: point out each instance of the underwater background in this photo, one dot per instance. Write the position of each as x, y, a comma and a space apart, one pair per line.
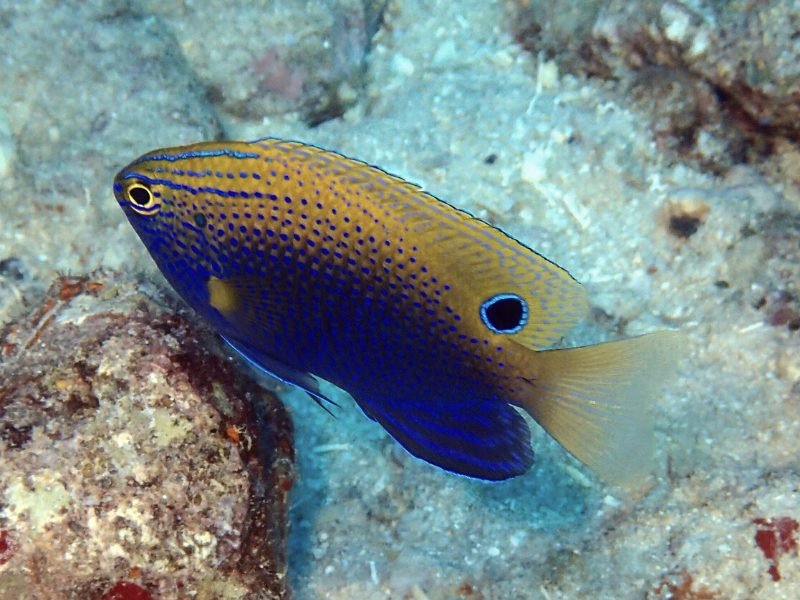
650, 148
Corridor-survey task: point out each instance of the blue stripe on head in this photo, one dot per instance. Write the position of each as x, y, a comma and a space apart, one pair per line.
184, 187
505, 313
156, 181
190, 154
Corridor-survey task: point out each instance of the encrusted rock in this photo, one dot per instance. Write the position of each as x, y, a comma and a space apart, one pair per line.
720, 79
135, 462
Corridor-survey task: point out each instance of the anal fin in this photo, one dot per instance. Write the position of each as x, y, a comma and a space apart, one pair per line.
483, 438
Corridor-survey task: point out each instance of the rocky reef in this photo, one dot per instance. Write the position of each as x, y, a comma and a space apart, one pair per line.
134, 461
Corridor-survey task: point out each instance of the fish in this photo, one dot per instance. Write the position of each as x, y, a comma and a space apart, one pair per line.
318, 267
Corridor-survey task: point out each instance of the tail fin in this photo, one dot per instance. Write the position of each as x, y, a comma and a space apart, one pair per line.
595, 401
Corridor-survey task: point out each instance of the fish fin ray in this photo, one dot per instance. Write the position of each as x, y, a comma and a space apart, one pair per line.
596, 401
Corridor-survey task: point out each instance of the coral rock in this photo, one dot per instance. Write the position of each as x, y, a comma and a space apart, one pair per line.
135, 462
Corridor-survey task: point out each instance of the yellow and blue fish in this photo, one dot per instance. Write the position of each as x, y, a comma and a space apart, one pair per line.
314, 265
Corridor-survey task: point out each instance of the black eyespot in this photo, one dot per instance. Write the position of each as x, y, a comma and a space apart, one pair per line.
140, 195
504, 313
200, 220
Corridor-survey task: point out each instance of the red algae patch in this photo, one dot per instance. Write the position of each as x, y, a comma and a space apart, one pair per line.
125, 590
775, 537
8, 547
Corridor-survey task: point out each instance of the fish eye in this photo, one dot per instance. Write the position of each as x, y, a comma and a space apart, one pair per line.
140, 197
505, 313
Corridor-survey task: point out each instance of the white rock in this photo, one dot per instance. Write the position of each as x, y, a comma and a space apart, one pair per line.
534, 169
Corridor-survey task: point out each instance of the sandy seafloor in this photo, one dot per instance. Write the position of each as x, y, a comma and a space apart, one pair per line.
576, 175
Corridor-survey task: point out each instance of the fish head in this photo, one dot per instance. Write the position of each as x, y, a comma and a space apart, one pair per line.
141, 199
169, 215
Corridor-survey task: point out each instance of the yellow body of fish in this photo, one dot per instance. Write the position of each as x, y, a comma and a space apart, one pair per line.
313, 264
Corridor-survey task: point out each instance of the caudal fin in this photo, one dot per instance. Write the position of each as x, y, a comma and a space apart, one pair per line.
596, 401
